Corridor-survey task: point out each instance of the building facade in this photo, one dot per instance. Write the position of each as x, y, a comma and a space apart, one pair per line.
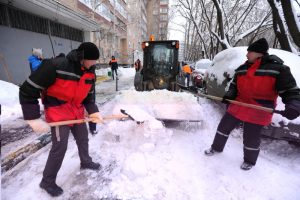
117, 27
137, 28
111, 33
47, 24
58, 27
158, 17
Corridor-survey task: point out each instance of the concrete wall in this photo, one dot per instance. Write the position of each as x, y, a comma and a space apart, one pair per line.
16, 46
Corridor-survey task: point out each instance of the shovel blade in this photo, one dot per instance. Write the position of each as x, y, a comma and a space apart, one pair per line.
130, 117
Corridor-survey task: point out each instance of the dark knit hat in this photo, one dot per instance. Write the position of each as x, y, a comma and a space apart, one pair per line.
259, 46
89, 51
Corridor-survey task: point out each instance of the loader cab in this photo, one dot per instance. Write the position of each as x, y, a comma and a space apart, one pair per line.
160, 66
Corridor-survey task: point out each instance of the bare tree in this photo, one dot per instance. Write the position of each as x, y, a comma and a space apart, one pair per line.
216, 25
290, 17
278, 26
220, 20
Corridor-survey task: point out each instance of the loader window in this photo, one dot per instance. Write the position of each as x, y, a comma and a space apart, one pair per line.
162, 59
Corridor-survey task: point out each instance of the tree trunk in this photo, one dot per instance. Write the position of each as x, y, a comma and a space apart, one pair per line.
278, 24
291, 21
220, 22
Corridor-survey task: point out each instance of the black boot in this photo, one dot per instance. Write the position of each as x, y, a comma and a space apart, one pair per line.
93, 132
91, 165
54, 190
209, 152
246, 166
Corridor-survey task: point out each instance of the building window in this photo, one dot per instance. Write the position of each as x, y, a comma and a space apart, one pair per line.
3, 15
163, 17
164, 10
88, 3
162, 24
104, 12
163, 2
26, 21
64, 31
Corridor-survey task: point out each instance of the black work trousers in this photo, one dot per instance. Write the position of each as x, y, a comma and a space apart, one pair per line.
60, 135
92, 126
113, 72
251, 137
187, 76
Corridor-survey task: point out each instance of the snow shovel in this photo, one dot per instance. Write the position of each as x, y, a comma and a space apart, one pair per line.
78, 121
130, 117
145, 117
269, 110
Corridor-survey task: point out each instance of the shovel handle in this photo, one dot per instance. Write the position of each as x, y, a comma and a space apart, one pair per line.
269, 110
79, 121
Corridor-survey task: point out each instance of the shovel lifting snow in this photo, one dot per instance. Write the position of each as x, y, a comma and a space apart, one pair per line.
78, 121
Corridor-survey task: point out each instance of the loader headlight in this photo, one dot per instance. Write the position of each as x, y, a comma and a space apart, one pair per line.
161, 81
147, 44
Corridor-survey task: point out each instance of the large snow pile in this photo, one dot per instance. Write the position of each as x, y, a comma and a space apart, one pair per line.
9, 100
161, 104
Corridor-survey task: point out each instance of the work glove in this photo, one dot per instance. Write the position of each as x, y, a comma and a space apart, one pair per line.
38, 125
96, 117
290, 113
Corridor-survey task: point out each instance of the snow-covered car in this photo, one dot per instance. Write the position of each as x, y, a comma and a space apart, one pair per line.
199, 73
222, 70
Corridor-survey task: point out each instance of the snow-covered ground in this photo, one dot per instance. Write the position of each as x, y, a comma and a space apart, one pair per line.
157, 161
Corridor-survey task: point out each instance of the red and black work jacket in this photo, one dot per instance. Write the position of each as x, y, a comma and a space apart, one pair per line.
114, 64
260, 84
66, 90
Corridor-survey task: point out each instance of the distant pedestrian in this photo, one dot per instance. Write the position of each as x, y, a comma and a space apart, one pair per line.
114, 67
137, 65
35, 59
187, 71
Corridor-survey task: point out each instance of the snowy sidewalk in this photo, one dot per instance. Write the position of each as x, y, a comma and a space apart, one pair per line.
146, 162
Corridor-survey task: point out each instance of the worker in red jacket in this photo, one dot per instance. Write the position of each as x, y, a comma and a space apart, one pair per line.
187, 71
114, 67
258, 81
67, 85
